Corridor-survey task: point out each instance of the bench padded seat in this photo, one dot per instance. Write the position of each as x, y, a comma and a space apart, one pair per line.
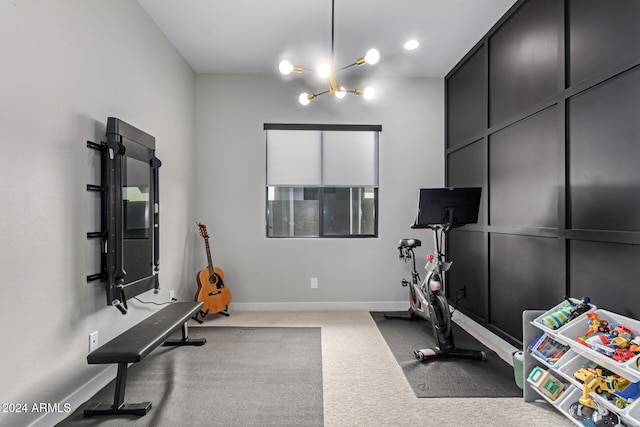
136, 343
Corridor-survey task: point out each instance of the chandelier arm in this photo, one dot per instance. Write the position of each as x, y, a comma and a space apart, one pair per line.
321, 93
347, 66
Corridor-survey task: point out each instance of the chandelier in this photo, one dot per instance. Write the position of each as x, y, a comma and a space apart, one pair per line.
328, 72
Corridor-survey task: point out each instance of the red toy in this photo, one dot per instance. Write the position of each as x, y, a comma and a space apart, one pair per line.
622, 355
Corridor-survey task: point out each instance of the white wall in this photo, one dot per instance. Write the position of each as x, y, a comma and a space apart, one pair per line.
270, 274
66, 66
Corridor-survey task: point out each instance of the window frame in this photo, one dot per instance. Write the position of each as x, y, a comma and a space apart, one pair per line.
321, 188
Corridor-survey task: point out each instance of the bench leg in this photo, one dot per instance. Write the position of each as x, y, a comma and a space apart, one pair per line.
118, 407
185, 339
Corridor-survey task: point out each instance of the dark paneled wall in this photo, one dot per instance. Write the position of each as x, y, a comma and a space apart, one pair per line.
544, 114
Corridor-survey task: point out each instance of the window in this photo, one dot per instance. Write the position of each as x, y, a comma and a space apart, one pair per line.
322, 180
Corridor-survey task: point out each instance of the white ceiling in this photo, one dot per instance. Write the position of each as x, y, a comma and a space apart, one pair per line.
253, 36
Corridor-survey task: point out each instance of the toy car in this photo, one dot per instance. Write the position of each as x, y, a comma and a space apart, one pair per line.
623, 355
600, 343
622, 331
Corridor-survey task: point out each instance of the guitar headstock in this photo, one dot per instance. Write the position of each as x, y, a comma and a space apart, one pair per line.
203, 230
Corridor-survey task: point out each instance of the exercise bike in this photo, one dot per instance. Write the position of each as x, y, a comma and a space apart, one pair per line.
427, 300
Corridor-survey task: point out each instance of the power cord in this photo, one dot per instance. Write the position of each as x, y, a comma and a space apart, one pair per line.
155, 303
457, 300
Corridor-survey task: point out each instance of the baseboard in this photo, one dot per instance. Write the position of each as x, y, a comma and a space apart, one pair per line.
485, 336
78, 397
320, 306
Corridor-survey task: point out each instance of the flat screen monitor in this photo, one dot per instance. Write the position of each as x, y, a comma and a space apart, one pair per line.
130, 220
451, 207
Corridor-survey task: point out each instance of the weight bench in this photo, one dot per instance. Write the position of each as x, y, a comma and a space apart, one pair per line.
135, 344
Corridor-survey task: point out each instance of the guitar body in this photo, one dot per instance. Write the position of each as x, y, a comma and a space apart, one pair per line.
212, 291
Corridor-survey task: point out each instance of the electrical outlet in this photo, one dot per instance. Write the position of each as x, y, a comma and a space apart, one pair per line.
93, 341
314, 283
172, 295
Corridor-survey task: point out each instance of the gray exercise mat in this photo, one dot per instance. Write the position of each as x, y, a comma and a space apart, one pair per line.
242, 376
445, 377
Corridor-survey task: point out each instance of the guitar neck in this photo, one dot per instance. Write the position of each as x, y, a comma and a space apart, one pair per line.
209, 262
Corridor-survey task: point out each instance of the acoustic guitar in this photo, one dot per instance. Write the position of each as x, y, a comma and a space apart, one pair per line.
212, 291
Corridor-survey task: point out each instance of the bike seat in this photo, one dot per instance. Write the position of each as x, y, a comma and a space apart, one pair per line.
409, 243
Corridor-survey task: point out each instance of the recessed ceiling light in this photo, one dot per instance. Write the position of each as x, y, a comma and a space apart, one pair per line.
411, 44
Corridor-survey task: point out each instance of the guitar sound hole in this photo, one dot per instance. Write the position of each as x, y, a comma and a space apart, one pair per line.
216, 281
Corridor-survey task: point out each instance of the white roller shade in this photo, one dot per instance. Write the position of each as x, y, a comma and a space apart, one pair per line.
294, 158
350, 158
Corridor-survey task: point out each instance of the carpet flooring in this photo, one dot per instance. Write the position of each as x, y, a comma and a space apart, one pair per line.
242, 376
445, 377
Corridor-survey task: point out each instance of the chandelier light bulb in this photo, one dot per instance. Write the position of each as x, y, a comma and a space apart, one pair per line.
340, 93
369, 93
285, 67
372, 57
411, 44
324, 70
304, 98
